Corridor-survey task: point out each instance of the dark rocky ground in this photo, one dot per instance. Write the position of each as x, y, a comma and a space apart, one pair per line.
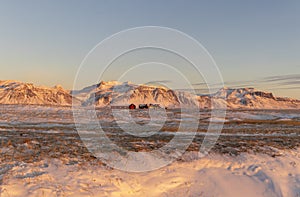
19, 144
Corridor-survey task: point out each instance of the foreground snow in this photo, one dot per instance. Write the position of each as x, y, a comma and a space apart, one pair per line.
214, 175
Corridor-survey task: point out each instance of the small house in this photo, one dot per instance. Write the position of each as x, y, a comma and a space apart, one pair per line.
132, 106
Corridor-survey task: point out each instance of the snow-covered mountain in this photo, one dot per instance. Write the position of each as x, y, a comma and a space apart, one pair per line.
118, 94
115, 93
15, 92
254, 99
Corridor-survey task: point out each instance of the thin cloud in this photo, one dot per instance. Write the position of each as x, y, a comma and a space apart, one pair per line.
202, 91
290, 83
285, 88
199, 84
282, 80
278, 78
232, 84
159, 82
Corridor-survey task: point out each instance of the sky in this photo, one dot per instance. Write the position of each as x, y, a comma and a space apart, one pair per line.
254, 43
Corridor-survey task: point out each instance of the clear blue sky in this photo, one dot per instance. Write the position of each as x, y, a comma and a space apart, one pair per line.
254, 43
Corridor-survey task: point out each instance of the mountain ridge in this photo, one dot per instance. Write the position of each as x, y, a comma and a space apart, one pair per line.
114, 93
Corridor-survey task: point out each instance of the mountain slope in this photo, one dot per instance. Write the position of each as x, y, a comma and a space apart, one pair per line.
14, 92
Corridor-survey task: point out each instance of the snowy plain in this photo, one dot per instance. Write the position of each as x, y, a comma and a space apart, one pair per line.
257, 155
